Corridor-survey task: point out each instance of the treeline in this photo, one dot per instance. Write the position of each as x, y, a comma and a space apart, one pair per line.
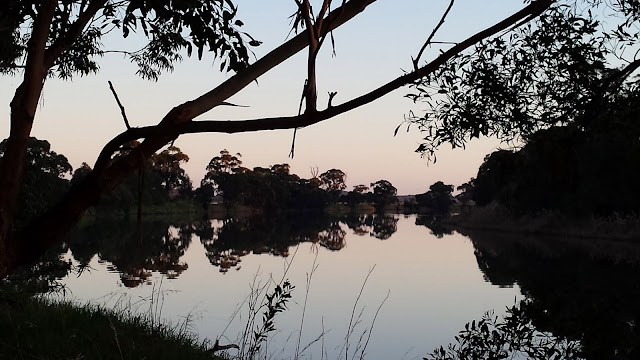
161, 185
275, 189
587, 168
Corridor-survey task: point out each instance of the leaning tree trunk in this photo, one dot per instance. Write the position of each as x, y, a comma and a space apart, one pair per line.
23, 111
12, 166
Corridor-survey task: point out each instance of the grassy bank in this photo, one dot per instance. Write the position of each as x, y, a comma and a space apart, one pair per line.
496, 218
35, 328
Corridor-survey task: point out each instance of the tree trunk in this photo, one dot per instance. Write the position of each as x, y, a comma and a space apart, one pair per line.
23, 108
23, 111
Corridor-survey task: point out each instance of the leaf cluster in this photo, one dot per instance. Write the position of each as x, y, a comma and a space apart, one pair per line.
276, 302
171, 29
550, 72
511, 337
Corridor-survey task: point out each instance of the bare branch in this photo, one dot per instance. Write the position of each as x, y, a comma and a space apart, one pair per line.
433, 33
124, 114
239, 81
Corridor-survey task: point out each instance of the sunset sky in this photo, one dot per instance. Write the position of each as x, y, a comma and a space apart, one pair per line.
79, 117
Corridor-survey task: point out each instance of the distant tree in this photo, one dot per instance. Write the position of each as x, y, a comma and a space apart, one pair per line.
333, 180
384, 193
438, 199
168, 165
466, 191
494, 180
224, 163
281, 169
80, 173
360, 189
45, 181
359, 194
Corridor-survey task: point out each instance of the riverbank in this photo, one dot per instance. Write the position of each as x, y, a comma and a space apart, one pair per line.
37, 328
496, 218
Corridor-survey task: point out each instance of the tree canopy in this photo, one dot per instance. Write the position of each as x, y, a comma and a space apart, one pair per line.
77, 29
569, 66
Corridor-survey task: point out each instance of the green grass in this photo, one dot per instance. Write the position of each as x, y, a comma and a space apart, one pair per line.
34, 328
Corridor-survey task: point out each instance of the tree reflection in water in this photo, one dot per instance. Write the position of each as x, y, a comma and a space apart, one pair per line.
585, 290
164, 242
379, 226
159, 248
576, 290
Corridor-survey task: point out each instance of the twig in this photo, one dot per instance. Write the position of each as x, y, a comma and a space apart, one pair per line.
332, 94
433, 33
295, 131
364, 348
314, 267
353, 311
218, 347
124, 114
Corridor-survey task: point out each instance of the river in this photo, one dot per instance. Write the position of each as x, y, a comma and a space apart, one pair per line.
380, 287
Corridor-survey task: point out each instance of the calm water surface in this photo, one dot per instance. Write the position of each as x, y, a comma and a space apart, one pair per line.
426, 286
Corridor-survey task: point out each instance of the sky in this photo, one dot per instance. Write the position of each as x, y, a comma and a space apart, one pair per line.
78, 117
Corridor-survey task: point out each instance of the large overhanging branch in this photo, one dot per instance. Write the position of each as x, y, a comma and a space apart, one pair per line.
239, 81
310, 118
188, 111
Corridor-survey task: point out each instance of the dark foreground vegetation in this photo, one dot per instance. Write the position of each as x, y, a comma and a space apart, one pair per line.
36, 328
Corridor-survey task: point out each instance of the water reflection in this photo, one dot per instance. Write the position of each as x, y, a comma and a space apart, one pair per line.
378, 226
163, 242
583, 289
577, 290
159, 248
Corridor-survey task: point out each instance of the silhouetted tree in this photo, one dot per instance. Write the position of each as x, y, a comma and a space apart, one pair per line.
44, 182
384, 193
438, 199
333, 180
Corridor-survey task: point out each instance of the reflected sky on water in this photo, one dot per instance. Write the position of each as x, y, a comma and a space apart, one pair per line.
434, 283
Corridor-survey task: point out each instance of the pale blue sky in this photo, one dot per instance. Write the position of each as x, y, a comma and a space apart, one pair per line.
79, 117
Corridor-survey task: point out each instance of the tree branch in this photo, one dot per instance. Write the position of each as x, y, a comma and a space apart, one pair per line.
239, 81
433, 33
124, 114
306, 119
64, 42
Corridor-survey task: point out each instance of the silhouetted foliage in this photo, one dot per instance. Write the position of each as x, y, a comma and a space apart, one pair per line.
554, 71
333, 180
384, 194
171, 30
554, 85
515, 336
576, 290
437, 200
44, 181
135, 258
